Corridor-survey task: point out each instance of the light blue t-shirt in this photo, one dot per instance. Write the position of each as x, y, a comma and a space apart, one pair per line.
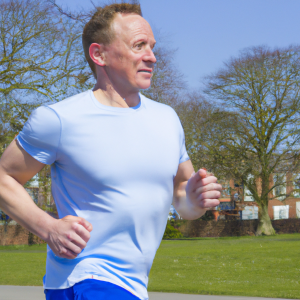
115, 168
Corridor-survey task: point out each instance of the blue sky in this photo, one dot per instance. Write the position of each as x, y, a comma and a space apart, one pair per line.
209, 32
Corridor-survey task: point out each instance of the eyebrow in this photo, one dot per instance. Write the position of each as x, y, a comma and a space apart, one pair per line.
139, 40
143, 40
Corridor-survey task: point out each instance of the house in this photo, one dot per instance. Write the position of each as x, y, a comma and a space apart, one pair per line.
278, 208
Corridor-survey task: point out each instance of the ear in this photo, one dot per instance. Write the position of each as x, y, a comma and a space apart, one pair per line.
96, 54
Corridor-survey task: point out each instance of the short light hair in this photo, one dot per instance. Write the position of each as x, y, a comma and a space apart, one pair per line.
99, 30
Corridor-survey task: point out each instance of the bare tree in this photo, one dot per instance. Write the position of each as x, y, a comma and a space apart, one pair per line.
40, 50
167, 82
196, 117
205, 123
261, 88
40, 60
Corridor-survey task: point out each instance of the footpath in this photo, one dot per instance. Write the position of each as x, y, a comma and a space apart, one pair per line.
8, 292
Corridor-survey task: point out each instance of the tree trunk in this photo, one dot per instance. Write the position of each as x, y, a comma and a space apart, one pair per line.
265, 225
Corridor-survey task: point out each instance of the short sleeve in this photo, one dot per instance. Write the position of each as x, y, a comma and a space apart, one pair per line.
40, 135
183, 153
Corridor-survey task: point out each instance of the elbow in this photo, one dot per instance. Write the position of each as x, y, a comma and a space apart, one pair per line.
7, 183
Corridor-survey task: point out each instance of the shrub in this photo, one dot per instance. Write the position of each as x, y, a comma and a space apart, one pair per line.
171, 232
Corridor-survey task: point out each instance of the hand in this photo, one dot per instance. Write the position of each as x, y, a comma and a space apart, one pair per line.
68, 236
203, 191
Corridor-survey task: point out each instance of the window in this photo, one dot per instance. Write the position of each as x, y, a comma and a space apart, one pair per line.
298, 209
226, 189
296, 184
250, 213
281, 212
280, 188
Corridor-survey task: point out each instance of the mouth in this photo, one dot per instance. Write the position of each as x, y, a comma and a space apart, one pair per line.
146, 71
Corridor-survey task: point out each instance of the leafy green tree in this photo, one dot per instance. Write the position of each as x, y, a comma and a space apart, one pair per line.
261, 91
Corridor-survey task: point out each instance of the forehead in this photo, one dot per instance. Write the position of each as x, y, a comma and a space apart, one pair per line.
128, 27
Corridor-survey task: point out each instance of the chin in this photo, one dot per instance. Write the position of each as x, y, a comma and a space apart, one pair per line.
144, 85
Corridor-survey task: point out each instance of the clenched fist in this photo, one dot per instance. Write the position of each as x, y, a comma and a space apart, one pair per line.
203, 190
68, 236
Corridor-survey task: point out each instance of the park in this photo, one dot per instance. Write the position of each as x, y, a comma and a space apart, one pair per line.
231, 73
233, 266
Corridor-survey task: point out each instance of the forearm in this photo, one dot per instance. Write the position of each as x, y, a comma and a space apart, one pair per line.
184, 206
16, 202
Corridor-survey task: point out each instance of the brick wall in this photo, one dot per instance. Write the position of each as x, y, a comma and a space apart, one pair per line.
290, 201
17, 235
222, 228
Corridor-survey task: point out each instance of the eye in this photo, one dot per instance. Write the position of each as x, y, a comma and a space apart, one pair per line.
139, 46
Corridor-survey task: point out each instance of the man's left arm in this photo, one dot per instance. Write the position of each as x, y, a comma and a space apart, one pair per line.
194, 193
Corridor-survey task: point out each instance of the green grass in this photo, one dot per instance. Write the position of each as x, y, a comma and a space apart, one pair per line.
22, 265
245, 266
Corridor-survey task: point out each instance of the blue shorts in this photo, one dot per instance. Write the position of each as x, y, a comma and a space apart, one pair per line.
91, 289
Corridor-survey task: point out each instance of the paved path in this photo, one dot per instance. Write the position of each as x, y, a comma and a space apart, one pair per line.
8, 292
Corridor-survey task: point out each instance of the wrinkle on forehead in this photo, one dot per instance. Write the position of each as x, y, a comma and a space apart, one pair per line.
128, 26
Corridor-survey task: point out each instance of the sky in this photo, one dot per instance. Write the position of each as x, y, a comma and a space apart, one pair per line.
207, 33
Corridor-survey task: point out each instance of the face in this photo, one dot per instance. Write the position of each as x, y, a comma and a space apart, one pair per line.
129, 59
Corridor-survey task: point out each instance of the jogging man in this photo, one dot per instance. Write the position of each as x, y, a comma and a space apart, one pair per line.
117, 161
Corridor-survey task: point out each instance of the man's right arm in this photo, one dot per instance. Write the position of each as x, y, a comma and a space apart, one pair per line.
67, 236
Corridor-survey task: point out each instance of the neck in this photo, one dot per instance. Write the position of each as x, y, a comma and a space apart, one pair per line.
108, 95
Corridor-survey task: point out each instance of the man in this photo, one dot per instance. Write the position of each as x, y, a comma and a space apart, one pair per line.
116, 158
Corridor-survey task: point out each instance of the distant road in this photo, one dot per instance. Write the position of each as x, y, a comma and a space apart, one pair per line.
8, 292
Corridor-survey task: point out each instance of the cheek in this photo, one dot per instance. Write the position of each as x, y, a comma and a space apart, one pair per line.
128, 64
137, 64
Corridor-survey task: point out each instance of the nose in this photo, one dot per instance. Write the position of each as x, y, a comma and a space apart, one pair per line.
150, 56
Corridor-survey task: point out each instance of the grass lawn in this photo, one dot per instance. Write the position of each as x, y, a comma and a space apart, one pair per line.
246, 266
22, 265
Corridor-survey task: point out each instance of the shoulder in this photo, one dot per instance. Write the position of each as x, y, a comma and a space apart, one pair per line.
71, 104
159, 108
40, 135
41, 117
